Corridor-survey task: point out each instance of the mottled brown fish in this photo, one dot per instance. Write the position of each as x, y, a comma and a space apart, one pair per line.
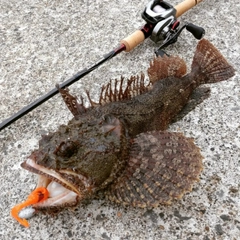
120, 146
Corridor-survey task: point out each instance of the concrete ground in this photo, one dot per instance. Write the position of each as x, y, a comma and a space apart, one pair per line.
46, 42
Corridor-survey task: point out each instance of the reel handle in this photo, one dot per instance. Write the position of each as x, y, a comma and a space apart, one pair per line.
196, 31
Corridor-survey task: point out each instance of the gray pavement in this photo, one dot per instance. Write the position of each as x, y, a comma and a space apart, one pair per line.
46, 42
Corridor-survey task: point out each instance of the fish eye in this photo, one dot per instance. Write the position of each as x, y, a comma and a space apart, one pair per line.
66, 149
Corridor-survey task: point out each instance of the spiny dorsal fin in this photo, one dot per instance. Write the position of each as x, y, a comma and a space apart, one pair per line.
115, 91
92, 103
112, 92
72, 103
163, 67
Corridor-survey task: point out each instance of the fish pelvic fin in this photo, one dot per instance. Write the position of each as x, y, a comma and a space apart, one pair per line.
164, 67
162, 167
210, 64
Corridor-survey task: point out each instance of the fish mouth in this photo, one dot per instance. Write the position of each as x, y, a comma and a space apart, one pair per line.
62, 193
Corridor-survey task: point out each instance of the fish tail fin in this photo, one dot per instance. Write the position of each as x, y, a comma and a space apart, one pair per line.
210, 64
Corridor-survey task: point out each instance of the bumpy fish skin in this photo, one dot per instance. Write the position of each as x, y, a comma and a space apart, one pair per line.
95, 148
120, 145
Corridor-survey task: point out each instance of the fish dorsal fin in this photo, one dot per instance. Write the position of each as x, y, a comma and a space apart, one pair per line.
120, 90
76, 108
115, 90
163, 67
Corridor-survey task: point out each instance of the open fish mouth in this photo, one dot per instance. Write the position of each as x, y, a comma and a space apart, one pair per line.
62, 193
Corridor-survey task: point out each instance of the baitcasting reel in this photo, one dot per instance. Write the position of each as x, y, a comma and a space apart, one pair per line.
162, 16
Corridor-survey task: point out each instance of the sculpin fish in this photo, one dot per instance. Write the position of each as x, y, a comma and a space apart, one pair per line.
120, 146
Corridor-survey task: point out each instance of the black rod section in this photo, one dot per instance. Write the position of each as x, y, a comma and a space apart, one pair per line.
54, 91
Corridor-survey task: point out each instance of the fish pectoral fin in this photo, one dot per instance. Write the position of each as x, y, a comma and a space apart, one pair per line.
162, 167
164, 67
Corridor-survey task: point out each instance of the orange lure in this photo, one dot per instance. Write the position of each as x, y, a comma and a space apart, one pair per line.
38, 195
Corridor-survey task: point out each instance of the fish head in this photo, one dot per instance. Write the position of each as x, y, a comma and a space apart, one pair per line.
79, 159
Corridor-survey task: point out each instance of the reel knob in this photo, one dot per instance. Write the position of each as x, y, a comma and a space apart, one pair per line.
197, 32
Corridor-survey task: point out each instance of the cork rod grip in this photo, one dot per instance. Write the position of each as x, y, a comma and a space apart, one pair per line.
133, 40
184, 6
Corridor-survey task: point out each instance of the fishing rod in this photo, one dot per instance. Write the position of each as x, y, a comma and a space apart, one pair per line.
161, 25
